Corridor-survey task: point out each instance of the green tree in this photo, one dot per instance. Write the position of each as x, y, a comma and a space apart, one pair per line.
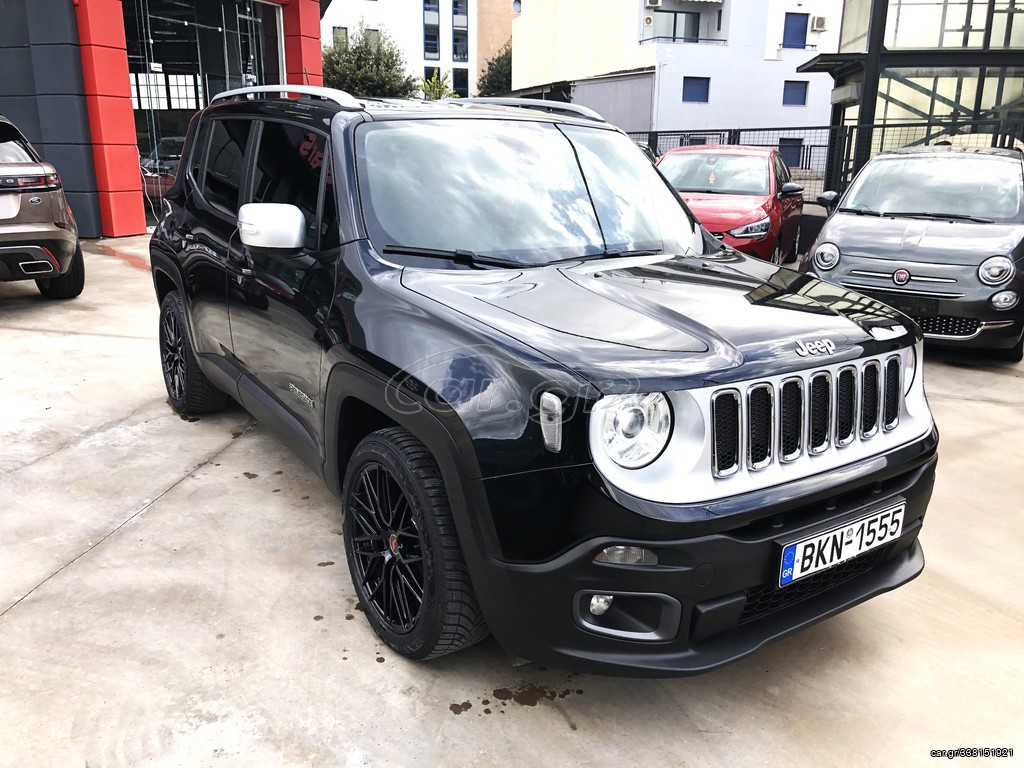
437, 87
370, 65
496, 79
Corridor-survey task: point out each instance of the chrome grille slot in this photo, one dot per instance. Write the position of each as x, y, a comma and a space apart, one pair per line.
846, 406
893, 390
819, 417
791, 419
760, 425
870, 399
725, 417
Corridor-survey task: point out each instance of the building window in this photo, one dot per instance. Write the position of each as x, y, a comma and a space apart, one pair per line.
341, 35
373, 36
794, 33
460, 45
460, 14
791, 149
677, 25
431, 5
460, 82
718, 21
431, 43
151, 91
794, 93
696, 89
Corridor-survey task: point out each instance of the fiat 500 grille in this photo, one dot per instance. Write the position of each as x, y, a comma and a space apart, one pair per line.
944, 325
808, 414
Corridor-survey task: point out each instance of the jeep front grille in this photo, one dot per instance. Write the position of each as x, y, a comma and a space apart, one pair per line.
809, 414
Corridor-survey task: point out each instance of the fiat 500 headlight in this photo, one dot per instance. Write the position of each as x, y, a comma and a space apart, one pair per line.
995, 270
826, 256
634, 428
758, 230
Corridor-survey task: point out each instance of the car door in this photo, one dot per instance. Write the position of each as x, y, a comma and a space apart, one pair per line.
790, 207
207, 233
279, 303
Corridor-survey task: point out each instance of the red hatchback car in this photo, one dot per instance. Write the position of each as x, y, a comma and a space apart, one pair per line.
744, 196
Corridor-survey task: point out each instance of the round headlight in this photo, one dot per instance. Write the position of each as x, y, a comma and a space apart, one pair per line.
995, 270
1004, 300
635, 428
826, 256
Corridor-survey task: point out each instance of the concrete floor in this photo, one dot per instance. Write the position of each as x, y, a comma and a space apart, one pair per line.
175, 593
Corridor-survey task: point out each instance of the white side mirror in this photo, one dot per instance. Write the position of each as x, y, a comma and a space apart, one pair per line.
272, 226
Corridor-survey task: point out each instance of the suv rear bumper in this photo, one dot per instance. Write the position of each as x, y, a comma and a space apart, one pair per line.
35, 251
713, 598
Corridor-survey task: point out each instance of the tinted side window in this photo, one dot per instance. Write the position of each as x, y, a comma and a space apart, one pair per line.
225, 163
289, 166
198, 151
781, 170
12, 148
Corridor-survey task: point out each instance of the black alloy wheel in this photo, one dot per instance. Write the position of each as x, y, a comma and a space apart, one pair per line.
387, 548
172, 355
187, 386
403, 551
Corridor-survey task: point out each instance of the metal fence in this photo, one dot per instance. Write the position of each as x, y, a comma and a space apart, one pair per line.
828, 157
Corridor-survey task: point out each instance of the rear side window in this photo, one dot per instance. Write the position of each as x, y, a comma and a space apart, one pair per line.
289, 169
12, 148
225, 164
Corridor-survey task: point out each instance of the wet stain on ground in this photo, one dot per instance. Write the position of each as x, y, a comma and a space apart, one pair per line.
527, 695
304, 498
458, 709
318, 618
380, 659
185, 417
220, 636
250, 475
325, 563
279, 472
236, 435
276, 490
349, 617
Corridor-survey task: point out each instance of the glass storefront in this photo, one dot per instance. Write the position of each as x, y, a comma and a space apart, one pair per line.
950, 94
966, 24
181, 54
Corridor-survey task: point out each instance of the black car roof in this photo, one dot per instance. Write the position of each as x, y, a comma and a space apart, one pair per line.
1014, 154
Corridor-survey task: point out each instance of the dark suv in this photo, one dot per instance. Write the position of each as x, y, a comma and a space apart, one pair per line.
552, 405
38, 235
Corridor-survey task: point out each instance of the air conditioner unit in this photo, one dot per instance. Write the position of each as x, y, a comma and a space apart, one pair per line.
648, 20
653, 3
819, 23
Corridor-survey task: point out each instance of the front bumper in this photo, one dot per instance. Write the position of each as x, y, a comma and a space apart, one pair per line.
35, 251
712, 598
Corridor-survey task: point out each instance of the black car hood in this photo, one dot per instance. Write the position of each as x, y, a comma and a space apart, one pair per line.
668, 321
932, 241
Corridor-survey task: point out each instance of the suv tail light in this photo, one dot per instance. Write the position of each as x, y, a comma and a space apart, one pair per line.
47, 181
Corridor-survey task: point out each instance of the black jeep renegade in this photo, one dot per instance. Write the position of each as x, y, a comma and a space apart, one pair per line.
554, 408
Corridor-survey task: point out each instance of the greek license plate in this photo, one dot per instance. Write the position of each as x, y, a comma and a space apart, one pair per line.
821, 552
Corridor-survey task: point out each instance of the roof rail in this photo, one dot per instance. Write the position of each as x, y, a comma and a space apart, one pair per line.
554, 107
344, 100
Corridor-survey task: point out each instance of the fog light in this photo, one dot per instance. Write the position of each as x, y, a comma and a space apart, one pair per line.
599, 604
627, 556
1004, 300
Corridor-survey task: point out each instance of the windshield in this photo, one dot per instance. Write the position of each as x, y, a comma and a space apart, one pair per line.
527, 192
722, 174
958, 185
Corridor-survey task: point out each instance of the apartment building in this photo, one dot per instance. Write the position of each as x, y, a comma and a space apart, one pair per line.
675, 64
432, 34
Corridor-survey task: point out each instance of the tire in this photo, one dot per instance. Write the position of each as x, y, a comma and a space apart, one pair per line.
776, 257
187, 387
1014, 354
402, 549
70, 284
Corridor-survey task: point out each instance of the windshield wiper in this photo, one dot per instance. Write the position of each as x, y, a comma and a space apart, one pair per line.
705, 191
863, 212
459, 256
930, 215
